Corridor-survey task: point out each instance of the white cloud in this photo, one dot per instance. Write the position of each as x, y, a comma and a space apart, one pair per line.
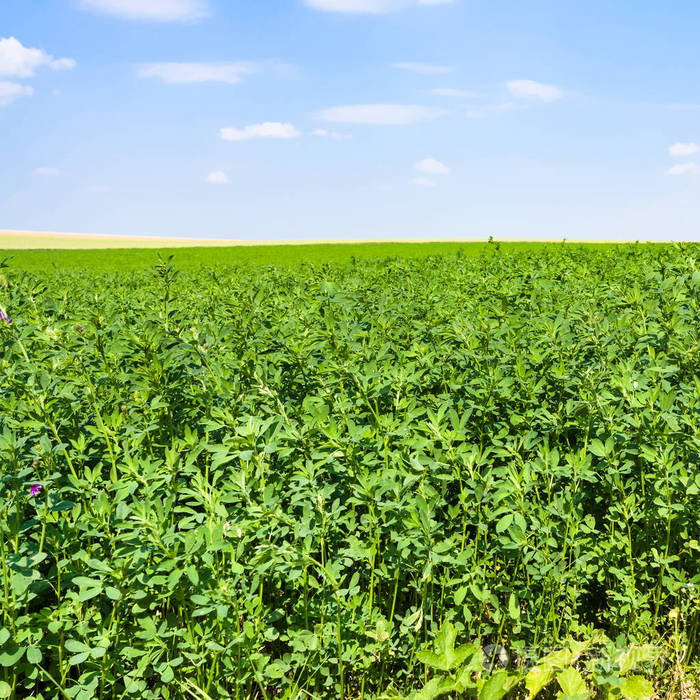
681, 150
422, 68
451, 92
374, 7
47, 171
423, 182
17, 61
218, 177
154, 10
682, 169
324, 133
99, 189
382, 114
174, 73
533, 90
430, 166
9, 92
267, 130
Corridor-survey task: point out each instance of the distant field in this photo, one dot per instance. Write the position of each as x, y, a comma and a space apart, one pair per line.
44, 240
52, 251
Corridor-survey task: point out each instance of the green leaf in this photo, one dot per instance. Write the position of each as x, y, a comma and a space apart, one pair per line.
4, 635
113, 593
637, 688
558, 660
538, 678
9, 657
192, 575
89, 594
597, 448
504, 523
513, 607
168, 674
497, 685
572, 684
434, 689
5, 690
75, 646
446, 657
20, 583
78, 659
475, 665
34, 655
636, 656
85, 582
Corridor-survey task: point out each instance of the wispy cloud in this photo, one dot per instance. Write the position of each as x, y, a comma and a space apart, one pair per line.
530, 89
47, 171
681, 169
18, 61
198, 72
423, 182
9, 92
380, 114
151, 10
422, 68
218, 177
431, 166
266, 130
682, 150
324, 133
452, 92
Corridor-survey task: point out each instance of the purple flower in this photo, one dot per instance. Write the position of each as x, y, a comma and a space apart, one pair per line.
34, 490
4, 317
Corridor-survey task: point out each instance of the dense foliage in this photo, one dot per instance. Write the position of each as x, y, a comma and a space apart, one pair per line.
260, 482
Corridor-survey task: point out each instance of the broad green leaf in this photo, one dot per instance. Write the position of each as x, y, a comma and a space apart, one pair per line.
597, 448
113, 593
79, 658
635, 656
504, 523
572, 684
475, 665
497, 685
34, 655
75, 646
558, 660
637, 688
513, 607
446, 657
538, 678
168, 674
9, 657
434, 689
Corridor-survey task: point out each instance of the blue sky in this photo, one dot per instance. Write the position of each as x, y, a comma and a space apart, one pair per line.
294, 119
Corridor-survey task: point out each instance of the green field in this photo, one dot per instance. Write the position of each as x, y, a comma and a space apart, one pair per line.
118, 259
351, 471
